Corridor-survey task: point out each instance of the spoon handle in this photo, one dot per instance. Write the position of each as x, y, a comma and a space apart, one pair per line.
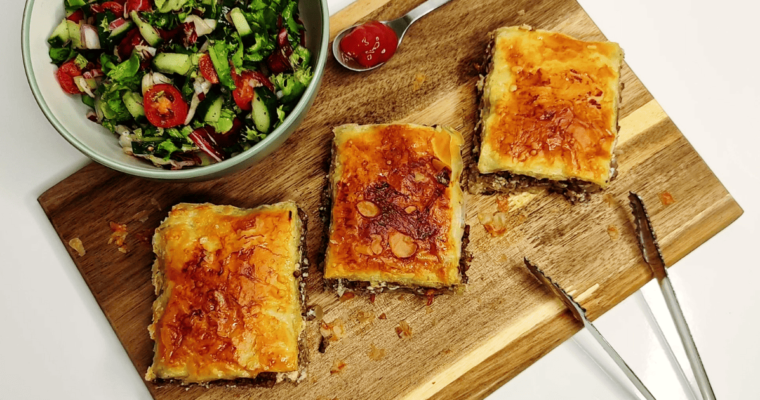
422, 10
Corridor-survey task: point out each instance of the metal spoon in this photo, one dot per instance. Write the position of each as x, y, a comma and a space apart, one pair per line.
399, 26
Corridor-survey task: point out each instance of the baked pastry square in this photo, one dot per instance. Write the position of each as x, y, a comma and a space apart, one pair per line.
230, 294
549, 110
397, 215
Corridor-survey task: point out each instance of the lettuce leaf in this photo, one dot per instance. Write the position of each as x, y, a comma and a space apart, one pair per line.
125, 70
288, 16
263, 47
293, 85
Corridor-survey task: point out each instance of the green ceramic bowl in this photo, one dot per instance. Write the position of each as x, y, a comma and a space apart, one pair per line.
67, 113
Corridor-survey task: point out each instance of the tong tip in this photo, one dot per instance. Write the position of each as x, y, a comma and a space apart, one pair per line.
578, 311
646, 237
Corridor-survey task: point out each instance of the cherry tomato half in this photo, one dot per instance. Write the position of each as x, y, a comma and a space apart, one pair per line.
207, 69
111, 6
76, 16
164, 106
65, 76
243, 95
137, 5
370, 44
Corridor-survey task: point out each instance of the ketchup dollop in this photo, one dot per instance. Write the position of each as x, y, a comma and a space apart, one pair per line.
369, 44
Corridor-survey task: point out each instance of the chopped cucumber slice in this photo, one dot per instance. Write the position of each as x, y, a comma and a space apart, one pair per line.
60, 35
134, 101
166, 6
203, 109
214, 110
74, 34
73, 4
173, 63
116, 33
264, 109
238, 19
148, 32
88, 101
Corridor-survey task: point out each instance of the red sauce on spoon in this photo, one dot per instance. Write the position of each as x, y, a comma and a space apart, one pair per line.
369, 44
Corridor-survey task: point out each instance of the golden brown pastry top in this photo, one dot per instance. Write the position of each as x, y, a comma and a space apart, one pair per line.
551, 106
397, 206
229, 305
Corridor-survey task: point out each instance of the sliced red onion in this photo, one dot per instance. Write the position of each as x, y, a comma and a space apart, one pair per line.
254, 83
181, 164
204, 47
206, 143
161, 162
121, 129
89, 37
151, 79
282, 42
193, 105
201, 85
202, 26
92, 115
145, 52
118, 22
258, 79
125, 138
82, 85
93, 74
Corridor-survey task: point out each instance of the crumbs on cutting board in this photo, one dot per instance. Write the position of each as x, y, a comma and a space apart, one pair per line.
375, 354
419, 79
494, 223
118, 235
666, 198
403, 329
77, 245
613, 232
337, 366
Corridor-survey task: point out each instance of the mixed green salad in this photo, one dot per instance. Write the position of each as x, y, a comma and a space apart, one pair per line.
183, 82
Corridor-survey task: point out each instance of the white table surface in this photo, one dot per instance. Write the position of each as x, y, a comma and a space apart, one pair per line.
700, 59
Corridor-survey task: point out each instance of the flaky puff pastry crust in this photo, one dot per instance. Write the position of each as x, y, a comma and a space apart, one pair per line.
229, 302
397, 206
551, 106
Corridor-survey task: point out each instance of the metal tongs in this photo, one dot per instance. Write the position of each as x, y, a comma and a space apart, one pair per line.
651, 252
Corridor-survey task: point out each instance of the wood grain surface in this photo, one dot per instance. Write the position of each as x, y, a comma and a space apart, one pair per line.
463, 346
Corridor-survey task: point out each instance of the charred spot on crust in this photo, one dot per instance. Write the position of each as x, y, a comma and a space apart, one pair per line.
444, 177
416, 224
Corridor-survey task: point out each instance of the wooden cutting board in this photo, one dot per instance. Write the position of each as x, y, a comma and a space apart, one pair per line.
463, 346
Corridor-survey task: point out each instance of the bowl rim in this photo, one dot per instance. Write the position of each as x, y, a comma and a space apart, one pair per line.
159, 173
